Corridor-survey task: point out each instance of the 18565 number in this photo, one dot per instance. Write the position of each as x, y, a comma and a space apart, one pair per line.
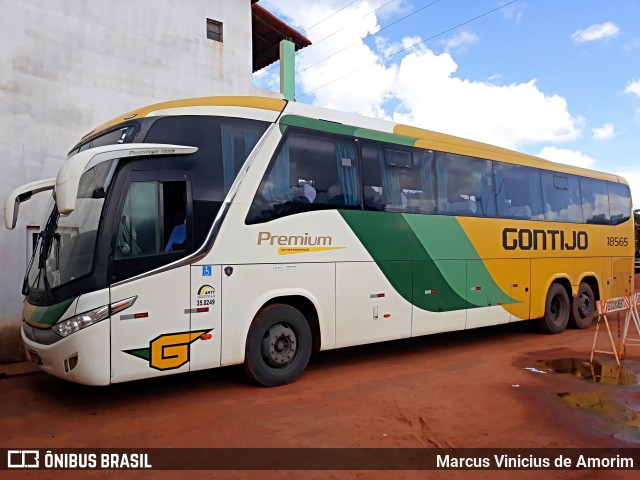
617, 241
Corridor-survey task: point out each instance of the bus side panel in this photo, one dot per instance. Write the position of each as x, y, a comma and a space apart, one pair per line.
247, 288
543, 272
588, 267
438, 306
152, 337
519, 288
481, 293
368, 308
607, 277
622, 276
205, 316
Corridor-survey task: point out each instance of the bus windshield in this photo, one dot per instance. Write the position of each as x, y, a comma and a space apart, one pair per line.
66, 246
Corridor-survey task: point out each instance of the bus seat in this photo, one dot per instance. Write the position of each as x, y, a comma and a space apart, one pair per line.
463, 207
178, 237
522, 211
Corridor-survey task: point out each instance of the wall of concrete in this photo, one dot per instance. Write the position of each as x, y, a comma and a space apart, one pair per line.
67, 66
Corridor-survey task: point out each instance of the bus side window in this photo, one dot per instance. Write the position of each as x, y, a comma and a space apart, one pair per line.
308, 172
518, 192
619, 202
595, 201
465, 185
398, 180
561, 196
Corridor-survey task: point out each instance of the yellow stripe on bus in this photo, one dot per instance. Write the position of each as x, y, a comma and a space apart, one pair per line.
449, 143
294, 250
264, 103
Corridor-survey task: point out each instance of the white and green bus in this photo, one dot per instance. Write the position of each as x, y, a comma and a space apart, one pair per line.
240, 230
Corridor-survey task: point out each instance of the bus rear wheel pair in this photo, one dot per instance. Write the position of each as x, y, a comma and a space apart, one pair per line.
560, 311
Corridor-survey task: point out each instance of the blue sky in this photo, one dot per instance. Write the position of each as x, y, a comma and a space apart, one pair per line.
557, 79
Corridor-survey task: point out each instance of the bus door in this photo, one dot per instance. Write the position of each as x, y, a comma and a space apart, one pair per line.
151, 234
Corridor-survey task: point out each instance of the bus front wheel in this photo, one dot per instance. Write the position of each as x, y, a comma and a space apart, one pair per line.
582, 307
278, 346
556, 310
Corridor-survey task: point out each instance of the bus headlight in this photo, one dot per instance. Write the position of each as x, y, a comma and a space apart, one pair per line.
84, 320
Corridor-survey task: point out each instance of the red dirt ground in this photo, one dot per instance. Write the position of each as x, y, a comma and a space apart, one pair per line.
465, 389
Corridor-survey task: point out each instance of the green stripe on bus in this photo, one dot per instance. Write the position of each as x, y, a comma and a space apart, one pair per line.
51, 314
425, 258
144, 353
385, 137
397, 251
341, 129
314, 124
443, 237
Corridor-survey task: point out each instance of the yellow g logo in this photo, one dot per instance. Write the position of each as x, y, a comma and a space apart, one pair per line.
168, 351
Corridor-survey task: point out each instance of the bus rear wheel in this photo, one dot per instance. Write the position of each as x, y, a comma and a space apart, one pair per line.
278, 346
556, 311
582, 307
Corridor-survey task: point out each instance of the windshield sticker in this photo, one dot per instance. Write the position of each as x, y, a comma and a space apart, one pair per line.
168, 351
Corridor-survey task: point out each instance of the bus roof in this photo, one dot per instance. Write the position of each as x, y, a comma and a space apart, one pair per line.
332, 121
263, 103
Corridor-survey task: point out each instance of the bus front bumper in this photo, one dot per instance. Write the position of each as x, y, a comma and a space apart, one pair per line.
82, 357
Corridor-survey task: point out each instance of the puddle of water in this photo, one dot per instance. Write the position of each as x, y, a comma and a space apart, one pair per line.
604, 373
621, 419
623, 423
590, 400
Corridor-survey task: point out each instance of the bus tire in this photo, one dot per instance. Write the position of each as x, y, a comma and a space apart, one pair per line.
557, 309
582, 307
278, 346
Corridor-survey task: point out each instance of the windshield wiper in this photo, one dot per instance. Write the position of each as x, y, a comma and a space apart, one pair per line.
25, 281
46, 239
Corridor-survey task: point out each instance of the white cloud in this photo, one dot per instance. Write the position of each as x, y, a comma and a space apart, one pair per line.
363, 92
633, 87
604, 132
628, 47
513, 12
460, 40
421, 85
596, 32
568, 157
508, 115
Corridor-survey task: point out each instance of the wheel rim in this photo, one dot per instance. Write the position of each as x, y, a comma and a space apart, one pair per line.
279, 345
585, 307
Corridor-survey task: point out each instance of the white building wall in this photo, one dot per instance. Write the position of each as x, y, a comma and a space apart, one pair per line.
67, 66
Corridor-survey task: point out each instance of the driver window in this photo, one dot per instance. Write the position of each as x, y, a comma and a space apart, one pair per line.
153, 220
